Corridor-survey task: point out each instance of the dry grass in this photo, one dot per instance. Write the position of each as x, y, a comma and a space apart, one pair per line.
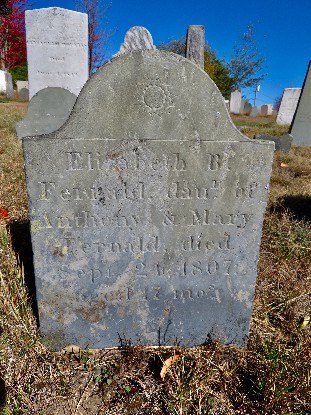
259, 125
271, 376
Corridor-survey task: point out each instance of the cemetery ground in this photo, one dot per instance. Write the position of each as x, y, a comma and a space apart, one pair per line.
272, 375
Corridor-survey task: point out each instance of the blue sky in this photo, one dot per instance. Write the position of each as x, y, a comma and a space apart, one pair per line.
282, 30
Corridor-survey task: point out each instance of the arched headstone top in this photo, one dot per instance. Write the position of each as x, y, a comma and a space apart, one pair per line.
136, 38
151, 95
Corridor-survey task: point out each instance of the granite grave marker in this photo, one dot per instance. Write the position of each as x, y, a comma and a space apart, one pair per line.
57, 49
195, 45
146, 210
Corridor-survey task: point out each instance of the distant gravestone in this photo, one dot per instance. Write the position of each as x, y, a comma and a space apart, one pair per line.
21, 84
137, 38
24, 94
266, 109
47, 111
236, 102
195, 45
6, 84
57, 49
282, 143
288, 105
255, 111
22, 89
247, 108
146, 220
301, 125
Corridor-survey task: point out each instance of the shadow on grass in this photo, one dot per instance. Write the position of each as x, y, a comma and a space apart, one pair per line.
2, 394
21, 244
299, 206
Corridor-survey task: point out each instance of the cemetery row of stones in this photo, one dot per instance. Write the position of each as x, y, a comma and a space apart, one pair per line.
239, 106
146, 220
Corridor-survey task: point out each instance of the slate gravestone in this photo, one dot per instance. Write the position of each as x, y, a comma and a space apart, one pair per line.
57, 49
136, 38
47, 111
288, 105
236, 102
195, 45
146, 220
301, 125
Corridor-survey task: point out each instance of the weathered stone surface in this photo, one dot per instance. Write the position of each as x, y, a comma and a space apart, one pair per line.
255, 112
247, 108
47, 111
137, 38
266, 109
282, 143
288, 105
6, 84
146, 210
195, 45
57, 49
24, 94
22, 89
236, 102
301, 125
21, 84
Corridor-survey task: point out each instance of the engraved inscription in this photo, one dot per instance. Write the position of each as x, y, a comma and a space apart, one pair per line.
123, 191
89, 161
56, 59
247, 191
34, 42
208, 217
58, 74
138, 244
186, 190
85, 219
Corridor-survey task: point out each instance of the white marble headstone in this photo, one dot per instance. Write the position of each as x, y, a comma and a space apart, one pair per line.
137, 38
288, 105
236, 102
6, 85
57, 49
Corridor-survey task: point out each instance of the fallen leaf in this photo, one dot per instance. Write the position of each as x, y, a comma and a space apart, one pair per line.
168, 362
4, 213
305, 322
